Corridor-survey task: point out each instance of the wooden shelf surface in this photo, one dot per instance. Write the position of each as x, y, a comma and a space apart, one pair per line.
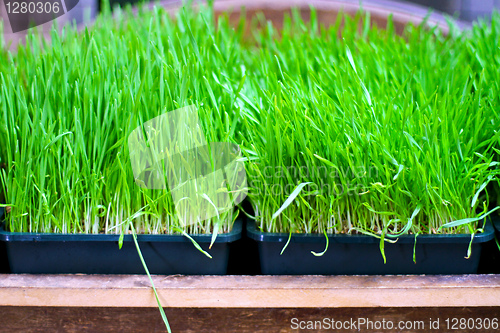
250, 291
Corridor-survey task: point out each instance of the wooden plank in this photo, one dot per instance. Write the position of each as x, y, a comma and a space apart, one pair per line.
250, 291
75, 319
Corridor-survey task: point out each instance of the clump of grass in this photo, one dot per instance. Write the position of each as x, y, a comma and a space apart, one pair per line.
483, 46
371, 133
374, 133
68, 108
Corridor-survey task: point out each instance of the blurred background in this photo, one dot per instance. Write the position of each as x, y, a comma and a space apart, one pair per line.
467, 10
464, 11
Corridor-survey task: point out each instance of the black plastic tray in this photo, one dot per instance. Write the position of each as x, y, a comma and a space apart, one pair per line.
360, 254
490, 255
39, 253
496, 223
4, 264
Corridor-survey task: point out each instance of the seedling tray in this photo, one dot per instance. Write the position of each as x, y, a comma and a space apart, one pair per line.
4, 265
490, 256
360, 254
496, 224
39, 253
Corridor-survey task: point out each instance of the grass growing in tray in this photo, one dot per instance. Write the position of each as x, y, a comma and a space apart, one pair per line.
369, 132
68, 108
373, 133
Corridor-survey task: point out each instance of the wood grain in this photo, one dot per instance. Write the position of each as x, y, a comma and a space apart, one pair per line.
57, 319
250, 291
